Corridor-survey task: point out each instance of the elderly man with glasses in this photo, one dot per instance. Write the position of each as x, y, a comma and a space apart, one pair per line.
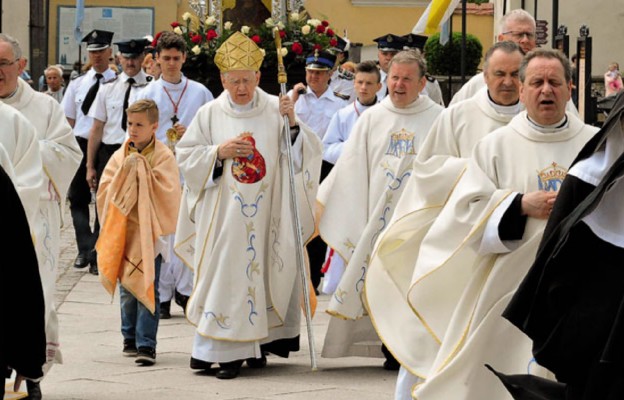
517, 26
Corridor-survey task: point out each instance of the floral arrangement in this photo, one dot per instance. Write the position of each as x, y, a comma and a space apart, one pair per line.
300, 36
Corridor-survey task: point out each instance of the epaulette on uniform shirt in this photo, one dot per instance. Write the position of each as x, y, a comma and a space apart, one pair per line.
430, 78
342, 96
111, 80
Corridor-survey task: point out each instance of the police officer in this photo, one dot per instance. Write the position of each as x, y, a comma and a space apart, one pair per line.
342, 79
108, 130
77, 102
387, 47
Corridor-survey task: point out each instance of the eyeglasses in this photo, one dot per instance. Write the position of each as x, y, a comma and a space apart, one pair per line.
5, 64
520, 35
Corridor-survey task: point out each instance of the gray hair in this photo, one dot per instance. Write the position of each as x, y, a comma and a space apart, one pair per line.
516, 15
413, 56
548, 54
508, 47
55, 68
17, 51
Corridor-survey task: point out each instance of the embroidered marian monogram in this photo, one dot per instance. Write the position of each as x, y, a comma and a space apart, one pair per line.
401, 144
551, 177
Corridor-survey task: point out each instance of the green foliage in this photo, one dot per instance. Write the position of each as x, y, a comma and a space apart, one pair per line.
479, 1
441, 59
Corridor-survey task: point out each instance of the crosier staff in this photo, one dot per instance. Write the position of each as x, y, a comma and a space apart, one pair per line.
303, 271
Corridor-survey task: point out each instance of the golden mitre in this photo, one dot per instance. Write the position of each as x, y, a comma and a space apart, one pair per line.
238, 53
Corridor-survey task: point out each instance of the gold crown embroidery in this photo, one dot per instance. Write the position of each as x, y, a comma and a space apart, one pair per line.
551, 177
401, 144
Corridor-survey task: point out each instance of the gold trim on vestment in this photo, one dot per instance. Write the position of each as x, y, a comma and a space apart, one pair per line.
461, 246
462, 339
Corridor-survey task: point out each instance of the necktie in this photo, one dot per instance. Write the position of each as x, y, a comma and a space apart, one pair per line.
86, 105
124, 117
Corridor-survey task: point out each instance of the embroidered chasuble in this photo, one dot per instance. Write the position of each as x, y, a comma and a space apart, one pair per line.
236, 228
438, 167
138, 201
359, 197
459, 288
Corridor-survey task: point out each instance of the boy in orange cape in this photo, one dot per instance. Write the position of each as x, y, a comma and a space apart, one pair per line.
138, 201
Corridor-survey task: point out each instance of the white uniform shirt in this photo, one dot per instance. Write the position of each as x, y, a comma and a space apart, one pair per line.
340, 128
75, 95
384, 85
189, 101
316, 112
342, 84
108, 105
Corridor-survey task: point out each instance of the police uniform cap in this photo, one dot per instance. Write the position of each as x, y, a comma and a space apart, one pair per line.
132, 48
320, 61
98, 40
413, 41
390, 42
342, 46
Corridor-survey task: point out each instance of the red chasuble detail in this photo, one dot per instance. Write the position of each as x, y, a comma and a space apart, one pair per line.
252, 168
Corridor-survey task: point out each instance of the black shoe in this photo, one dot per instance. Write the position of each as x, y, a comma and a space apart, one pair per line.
165, 310
257, 362
200, 364
93, 269
146, 356
129, 348
181, 299
391, 365
82, 260
229, 370
34, 390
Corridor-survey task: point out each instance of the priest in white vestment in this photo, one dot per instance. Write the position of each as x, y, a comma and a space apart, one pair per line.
236, 224
438, 166
359, 196
366, 84
60, 155
481, 245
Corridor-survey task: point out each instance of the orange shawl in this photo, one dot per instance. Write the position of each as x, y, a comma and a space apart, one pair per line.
138, 200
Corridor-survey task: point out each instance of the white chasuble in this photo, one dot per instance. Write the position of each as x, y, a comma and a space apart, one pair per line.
359, 197
21, 159
458, 294
439, 165
237, 232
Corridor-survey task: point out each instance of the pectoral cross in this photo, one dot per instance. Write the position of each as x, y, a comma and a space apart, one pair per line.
174, 119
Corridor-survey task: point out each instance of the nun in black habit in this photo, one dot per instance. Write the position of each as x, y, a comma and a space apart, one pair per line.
22, 331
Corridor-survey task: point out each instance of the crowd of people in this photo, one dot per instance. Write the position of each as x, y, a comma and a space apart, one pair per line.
448, 238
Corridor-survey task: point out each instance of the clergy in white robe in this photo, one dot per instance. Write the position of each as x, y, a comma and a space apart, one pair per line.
236, 224
438, 166
361, 192
569, 303
366, 84
60, 155
481, 245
